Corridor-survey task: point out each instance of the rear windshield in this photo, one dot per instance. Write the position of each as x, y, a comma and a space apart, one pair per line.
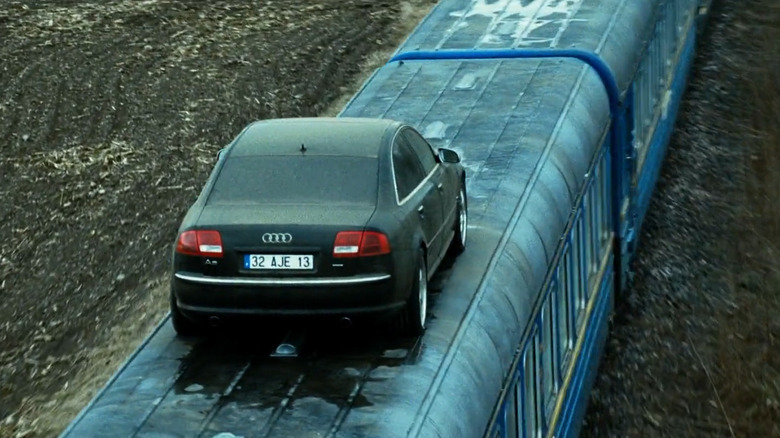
296, 179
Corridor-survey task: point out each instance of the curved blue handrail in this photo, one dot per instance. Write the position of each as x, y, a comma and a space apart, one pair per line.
599, 66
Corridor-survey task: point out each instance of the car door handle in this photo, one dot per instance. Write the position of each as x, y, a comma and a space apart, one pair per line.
421, 209
440, 186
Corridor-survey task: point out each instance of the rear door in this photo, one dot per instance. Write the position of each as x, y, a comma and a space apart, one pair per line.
417, 194
440, 177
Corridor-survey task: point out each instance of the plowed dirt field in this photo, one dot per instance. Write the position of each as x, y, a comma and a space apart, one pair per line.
111, 113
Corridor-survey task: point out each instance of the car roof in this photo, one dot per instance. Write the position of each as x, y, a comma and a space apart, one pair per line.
320, 136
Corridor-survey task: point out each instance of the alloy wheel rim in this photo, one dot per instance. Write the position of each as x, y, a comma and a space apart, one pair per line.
422, 295
463, 219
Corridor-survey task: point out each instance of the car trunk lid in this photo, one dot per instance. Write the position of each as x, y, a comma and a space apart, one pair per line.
284, 240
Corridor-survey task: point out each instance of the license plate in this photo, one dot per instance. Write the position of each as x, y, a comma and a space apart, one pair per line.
279, 261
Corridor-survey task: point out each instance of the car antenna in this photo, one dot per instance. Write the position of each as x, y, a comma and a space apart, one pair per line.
303, 149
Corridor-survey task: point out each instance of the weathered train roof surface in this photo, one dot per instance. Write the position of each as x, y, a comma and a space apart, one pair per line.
610, 28
505, 124
526, 130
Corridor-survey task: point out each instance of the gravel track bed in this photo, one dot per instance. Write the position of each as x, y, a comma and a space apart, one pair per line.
672, 364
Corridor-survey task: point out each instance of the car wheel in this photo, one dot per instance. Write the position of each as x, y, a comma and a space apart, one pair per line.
411, 320
183, 325
458, 244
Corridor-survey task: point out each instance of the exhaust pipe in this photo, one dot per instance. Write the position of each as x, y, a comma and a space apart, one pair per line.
214, 321
345, 322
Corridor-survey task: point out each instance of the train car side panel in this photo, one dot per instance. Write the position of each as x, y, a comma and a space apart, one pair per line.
656, 107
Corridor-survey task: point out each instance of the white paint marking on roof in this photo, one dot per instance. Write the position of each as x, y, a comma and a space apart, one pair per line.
519, 20
436, 130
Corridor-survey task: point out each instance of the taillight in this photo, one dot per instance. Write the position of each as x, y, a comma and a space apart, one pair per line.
360, 244
200, 243
374, 244
347, 244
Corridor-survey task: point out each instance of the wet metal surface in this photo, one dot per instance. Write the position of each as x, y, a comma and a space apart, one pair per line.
230, 383
610, 28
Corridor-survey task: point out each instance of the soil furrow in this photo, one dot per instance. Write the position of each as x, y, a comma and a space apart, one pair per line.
125, 104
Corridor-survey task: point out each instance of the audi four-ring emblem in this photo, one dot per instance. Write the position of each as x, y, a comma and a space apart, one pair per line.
277, 238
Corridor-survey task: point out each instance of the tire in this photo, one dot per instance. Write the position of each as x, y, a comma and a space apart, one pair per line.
183, 325
458, 244
411, 320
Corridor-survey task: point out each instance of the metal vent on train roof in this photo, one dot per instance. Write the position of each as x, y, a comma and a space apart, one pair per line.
291, 345
467, 82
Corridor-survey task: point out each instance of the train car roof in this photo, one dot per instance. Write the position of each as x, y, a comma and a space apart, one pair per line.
527, 131
613, 29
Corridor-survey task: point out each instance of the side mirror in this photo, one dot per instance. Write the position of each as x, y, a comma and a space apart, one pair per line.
221, 153
448, 156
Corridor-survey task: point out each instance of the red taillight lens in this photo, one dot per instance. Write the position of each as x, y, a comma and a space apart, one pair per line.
200, 243
374, 244
188, 243
347, 244
210, 243
360, 244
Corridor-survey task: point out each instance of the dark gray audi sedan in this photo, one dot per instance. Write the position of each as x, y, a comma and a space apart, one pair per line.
319, 216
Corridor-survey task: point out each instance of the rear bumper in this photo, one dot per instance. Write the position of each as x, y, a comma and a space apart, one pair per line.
200, 296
